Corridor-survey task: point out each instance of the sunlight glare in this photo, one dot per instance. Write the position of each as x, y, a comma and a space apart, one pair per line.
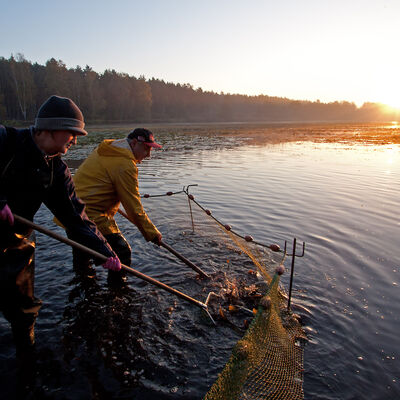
391, 100
390, 108
391, 155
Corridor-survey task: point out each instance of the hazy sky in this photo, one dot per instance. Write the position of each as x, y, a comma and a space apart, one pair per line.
300, 49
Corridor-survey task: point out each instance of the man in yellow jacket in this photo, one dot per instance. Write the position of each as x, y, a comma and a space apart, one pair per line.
108, 178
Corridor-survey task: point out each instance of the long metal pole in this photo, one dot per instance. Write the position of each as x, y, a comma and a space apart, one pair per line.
104, 258
174, 252
184, 259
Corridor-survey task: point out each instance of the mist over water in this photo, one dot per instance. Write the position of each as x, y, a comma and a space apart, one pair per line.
340, 199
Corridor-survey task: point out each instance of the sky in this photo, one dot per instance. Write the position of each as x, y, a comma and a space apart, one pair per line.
327, 50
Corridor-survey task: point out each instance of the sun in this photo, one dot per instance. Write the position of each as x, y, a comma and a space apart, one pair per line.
393, 104
391, 100
391, 107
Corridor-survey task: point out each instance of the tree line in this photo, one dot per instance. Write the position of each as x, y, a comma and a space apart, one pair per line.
117, 97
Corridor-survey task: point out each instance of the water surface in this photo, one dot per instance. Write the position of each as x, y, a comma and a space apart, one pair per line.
340, 199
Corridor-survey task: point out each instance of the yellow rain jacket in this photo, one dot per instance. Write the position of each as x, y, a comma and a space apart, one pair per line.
108, 177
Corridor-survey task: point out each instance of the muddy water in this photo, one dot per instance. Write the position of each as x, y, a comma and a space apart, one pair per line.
141, 343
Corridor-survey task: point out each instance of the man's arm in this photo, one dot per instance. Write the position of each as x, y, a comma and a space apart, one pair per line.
127, 187
70, 211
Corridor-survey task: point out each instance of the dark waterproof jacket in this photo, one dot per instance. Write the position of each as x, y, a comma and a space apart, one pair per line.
28, 178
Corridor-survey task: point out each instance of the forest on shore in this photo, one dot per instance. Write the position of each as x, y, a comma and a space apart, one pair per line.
118, 97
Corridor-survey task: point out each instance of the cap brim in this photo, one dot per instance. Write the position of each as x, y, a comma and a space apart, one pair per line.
153, 144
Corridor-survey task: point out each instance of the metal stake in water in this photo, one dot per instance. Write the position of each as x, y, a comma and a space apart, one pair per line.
294, 255
190, 205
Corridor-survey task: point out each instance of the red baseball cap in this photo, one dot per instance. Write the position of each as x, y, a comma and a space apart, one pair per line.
144, 136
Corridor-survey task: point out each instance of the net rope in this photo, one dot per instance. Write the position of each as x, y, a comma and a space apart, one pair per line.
267, 363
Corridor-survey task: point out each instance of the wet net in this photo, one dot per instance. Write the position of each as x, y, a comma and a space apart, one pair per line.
267, 363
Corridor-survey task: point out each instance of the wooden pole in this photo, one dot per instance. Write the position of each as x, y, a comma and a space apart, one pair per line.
184, 259
175, 253
104, 258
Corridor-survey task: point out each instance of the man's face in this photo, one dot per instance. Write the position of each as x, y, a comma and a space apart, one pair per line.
62, 141
140, 150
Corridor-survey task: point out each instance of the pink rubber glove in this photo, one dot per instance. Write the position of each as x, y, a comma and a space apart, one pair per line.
112, 263
7, 215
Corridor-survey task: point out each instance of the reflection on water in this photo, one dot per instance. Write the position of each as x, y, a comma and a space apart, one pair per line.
341, 199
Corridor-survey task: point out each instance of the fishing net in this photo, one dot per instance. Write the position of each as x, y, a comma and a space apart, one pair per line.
267, 363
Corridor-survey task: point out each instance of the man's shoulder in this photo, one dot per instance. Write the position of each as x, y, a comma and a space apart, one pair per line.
120, 168
11, 131
3, 135
5, 131
9, 136
119, 159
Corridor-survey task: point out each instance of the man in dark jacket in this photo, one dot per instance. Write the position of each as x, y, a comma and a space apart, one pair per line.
31, 173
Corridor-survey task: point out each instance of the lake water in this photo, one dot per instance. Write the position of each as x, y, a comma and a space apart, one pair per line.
340, 199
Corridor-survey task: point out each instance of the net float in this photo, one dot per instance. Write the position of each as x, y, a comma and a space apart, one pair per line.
265, 302
280, 270
274, 247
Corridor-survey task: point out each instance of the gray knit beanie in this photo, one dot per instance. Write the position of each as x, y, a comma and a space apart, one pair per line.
59, 114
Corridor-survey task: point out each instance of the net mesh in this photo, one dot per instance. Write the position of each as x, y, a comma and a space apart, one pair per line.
267, 363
